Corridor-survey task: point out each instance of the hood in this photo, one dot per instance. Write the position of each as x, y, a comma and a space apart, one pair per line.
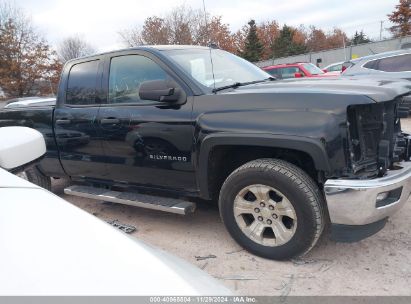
8, 180
50, 247
377, 89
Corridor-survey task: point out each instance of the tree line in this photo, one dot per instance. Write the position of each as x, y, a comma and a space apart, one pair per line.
254, 41
29, 65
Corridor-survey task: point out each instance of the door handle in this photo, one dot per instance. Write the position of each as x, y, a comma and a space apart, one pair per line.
106, 121
64, 121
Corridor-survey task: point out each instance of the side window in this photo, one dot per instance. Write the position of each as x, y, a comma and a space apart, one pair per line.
371, 64
335, 68
289, 72
401, 63
274, 72
81, 87
126, 75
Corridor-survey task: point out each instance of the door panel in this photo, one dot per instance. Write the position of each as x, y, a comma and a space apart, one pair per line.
76, 129
80, 145
148, 143
149, 146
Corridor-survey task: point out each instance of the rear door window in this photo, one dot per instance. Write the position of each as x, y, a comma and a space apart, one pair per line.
401, 63
82, 82
371, 64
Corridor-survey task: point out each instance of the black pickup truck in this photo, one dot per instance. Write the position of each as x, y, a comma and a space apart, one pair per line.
159, 127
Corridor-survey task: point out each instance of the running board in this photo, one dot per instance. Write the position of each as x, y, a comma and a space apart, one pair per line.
172, 205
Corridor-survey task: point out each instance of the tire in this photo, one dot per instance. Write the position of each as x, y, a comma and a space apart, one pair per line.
35, 176
285, 189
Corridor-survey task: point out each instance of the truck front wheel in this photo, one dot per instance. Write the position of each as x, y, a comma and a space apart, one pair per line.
272, 208
35, 176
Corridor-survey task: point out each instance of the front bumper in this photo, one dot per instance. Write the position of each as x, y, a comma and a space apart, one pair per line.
354, 202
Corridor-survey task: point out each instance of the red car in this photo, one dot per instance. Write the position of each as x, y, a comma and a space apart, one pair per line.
297, 70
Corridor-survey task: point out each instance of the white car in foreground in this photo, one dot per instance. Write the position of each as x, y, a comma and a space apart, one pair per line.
50, 247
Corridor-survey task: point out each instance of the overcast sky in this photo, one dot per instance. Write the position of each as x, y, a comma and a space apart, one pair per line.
99, 21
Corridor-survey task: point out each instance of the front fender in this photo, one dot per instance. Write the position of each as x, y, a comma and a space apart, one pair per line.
312, 147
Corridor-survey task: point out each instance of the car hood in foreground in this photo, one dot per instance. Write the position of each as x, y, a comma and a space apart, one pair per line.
50, 247
377, 89
8, 180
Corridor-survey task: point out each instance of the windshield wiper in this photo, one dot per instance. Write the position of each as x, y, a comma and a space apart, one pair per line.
240, 84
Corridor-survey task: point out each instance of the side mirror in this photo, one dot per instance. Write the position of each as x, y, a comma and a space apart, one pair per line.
158, 90
298, 75
20, 146
325, 70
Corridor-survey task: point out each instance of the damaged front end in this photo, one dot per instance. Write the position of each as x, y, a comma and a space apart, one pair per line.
375, 139
378, 181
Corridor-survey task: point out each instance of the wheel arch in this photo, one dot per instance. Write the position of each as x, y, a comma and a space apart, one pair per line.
269, 142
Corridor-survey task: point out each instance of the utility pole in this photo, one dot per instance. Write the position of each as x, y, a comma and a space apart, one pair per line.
381, 23
345, 51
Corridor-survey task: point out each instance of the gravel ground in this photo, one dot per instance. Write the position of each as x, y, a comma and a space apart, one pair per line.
379, 265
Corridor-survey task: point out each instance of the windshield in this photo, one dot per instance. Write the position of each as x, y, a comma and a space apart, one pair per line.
228, 69
312, 69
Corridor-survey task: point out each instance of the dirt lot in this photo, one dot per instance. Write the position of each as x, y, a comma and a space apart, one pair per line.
379, 265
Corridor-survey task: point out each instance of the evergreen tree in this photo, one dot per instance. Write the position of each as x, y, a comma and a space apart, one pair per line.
359, 38
401, 17
253, 48
285, 45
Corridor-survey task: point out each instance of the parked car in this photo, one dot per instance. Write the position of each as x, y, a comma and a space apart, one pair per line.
281, 157
297, 70
30, 102
334, 67
388, 65
50, 247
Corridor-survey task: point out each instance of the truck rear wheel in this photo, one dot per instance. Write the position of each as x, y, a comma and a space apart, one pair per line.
272, 208
34, 175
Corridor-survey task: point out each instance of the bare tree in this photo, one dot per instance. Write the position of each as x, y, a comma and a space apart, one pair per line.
74, 47
184, 25
132, 36
26, 60
180, 26
317, 39
267, 32
239, 38
401, 17
337, 38
154, 31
